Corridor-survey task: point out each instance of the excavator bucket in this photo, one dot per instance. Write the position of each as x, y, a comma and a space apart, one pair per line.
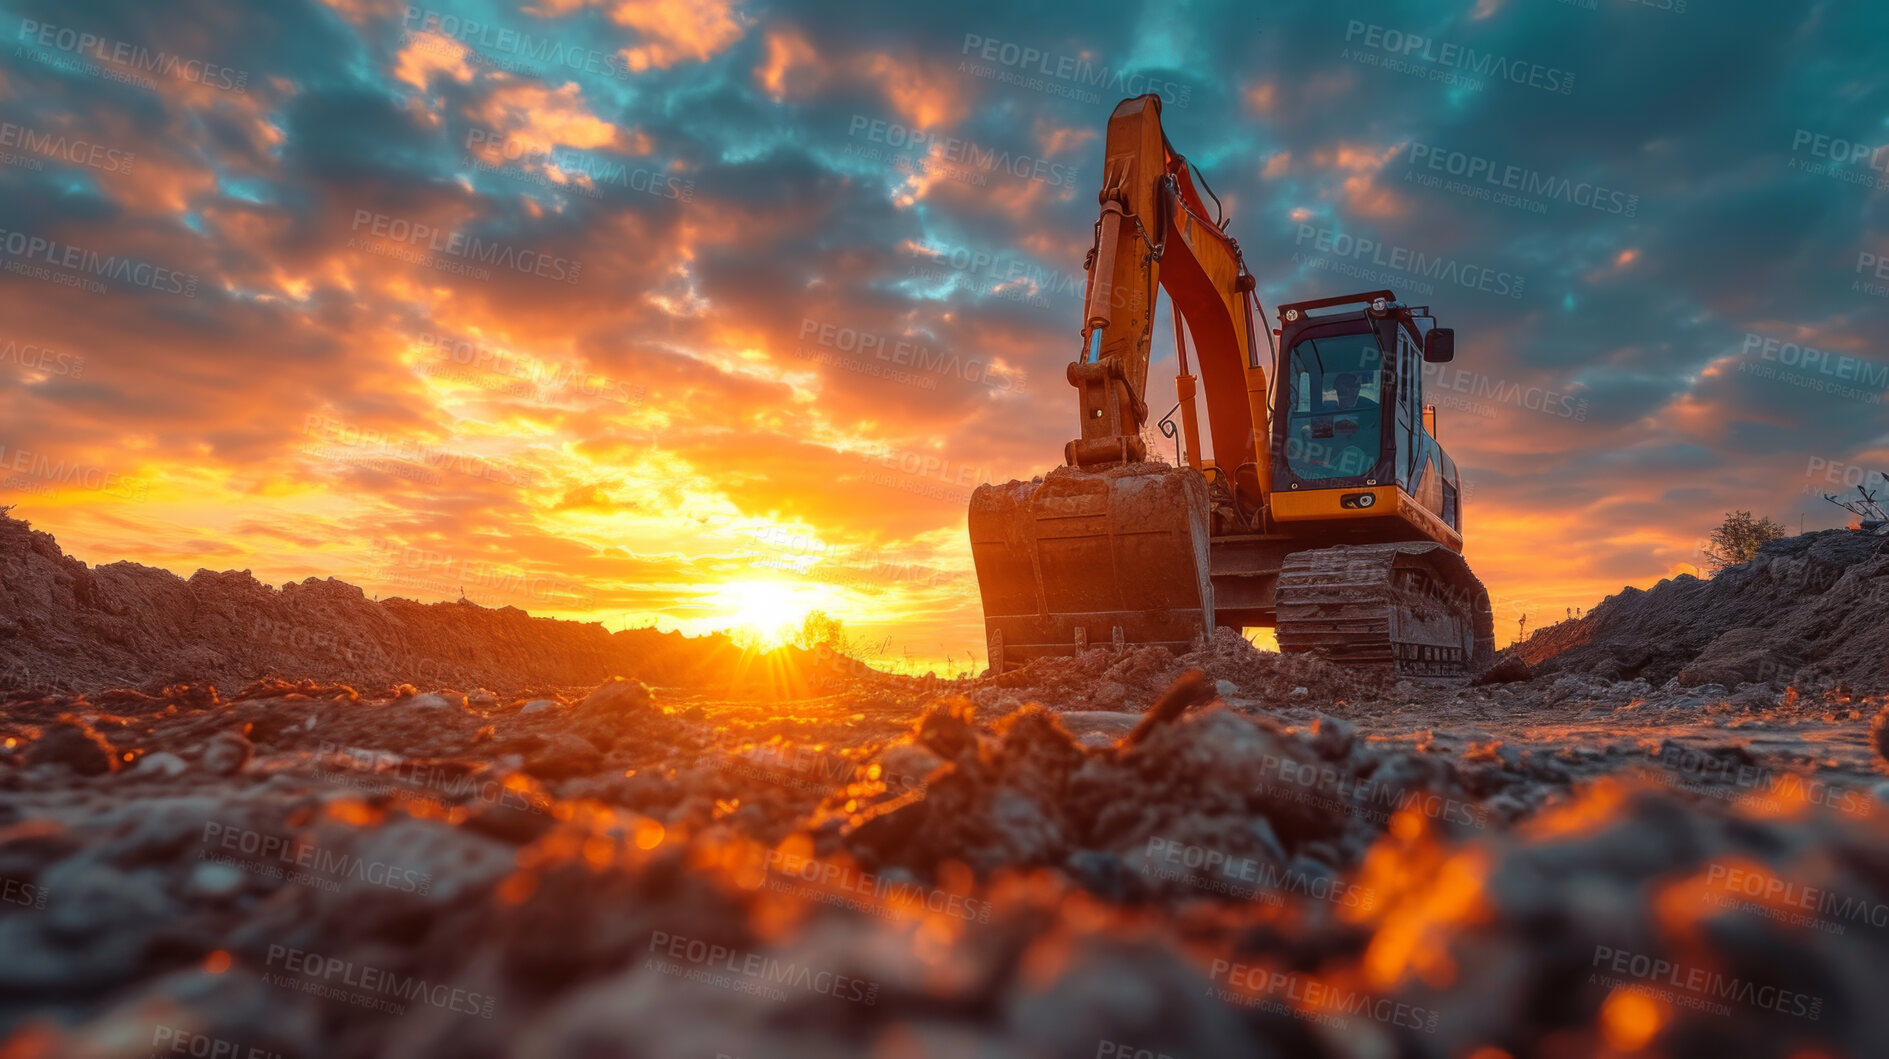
1092, 557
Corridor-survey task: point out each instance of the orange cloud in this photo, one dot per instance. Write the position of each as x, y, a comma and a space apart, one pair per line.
1361, 192
677, 30
924, 95
789, 57
428, 54
552, 117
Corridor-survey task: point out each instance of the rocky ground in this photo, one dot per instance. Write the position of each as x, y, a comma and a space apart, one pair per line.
72, 627
1133, 855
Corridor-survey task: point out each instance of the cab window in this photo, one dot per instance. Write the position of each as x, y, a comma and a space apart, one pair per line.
1409, 406
1334, 424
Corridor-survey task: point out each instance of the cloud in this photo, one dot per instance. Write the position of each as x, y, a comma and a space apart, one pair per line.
640, 296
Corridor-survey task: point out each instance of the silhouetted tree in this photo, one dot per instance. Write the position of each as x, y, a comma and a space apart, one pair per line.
819, 629
1738, 538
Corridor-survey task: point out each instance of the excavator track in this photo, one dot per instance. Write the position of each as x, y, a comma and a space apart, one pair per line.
1412, 610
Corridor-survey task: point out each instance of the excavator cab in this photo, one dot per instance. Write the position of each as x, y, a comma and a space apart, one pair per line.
1351, 428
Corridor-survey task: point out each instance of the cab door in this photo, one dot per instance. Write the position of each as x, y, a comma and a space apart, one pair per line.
1408, 425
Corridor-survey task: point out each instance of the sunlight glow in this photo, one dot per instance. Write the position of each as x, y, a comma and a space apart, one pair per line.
767, 613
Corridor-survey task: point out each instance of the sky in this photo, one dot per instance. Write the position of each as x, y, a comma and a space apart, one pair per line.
709, 314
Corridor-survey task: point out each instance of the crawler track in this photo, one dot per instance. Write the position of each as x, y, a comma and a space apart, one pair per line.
1412, 609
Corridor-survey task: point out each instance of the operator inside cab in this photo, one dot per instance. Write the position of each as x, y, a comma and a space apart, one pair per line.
1335, 426
1349, 387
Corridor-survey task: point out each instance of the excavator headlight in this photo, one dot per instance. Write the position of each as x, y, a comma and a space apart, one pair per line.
1291, 315
1357, 500
1380, 305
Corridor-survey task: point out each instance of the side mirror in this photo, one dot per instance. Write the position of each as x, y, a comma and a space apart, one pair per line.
1439, 345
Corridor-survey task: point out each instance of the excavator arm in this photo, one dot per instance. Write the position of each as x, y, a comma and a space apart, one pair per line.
1153, 234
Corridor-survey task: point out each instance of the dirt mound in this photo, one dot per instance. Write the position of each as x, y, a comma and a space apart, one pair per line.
66, 626
1103, 679
616, 874
1807, 611
1290, 808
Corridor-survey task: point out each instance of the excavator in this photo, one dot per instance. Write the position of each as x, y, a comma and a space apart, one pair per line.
1326, 509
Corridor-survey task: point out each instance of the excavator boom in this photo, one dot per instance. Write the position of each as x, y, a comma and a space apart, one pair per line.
1153, 234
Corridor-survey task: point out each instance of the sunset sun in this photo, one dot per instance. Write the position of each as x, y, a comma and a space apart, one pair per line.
769, 612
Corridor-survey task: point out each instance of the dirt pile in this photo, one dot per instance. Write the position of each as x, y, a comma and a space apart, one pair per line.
65, 625
1086, 856
1139, 815
621, 873
1808, 611
1104, 679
